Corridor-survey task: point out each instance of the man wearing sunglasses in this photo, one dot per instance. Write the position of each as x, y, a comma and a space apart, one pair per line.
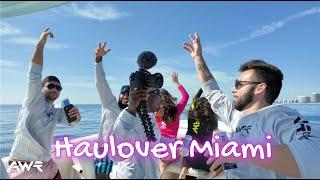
37, 120
111, 108
251, 116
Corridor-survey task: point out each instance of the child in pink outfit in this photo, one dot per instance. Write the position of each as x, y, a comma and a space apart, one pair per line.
170, 129
168, 117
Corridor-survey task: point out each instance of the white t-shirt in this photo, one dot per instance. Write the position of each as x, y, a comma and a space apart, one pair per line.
128, 128
110, 108
285, 125
36, 122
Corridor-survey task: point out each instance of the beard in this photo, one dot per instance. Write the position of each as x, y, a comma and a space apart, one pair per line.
241, 102
51, 96
122, 106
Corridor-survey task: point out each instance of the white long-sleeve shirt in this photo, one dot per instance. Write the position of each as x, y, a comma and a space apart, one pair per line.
128, 128
36, 122
110, 108
285, 125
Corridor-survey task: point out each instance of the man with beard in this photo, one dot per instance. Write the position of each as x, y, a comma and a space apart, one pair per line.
251, 117
37, 120
111, 108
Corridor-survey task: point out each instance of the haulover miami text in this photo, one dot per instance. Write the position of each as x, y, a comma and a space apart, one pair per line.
124, 150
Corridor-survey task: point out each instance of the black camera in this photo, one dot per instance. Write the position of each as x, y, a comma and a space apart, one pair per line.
143, 79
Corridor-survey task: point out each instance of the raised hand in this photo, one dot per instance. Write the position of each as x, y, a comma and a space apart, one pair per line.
195, 49
43, 37
175, 78
135, 96
101, 51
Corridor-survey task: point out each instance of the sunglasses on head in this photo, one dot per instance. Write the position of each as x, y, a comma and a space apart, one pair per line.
51, 86
239, 84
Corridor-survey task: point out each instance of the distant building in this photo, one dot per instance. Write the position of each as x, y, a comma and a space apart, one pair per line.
315, 97
303, 99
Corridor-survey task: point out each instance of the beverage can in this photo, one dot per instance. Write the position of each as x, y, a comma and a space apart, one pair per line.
65, 102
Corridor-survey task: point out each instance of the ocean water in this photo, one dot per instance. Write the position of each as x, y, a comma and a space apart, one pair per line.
90, 122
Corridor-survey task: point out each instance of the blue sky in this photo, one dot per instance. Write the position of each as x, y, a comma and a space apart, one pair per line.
285, 34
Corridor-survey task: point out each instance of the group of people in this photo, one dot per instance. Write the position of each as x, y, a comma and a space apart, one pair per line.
250, 116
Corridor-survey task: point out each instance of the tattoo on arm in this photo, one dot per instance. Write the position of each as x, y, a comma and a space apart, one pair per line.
203, 71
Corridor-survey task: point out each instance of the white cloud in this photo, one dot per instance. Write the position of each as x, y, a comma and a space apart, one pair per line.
97, 11
80, 84
7, 29
25, 40
85, 81
264, 30
7, 63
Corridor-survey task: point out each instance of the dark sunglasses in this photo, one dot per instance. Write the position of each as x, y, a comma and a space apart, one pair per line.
239, 84
51, 86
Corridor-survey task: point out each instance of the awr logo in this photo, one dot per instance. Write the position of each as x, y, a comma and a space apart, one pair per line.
19, 166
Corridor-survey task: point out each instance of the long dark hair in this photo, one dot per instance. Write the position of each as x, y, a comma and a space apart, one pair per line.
167, 106
201, 110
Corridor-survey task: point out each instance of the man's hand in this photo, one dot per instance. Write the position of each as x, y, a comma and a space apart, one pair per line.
38, 54
217, 162
74, 112
135, 96
175, 78
43, 37
211, 174
101, 51
195, 49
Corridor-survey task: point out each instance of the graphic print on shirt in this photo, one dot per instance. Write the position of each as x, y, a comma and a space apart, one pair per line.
163, 125
196, 126
48, 116
243, 130
304, 128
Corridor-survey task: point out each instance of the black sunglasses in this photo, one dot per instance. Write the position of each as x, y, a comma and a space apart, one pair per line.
51, 86
239, 84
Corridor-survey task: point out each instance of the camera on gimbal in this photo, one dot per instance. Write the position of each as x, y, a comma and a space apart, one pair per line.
143, 79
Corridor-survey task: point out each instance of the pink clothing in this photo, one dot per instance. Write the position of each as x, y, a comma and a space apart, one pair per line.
171, 129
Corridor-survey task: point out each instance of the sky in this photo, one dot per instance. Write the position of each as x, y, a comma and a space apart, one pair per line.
285, 34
